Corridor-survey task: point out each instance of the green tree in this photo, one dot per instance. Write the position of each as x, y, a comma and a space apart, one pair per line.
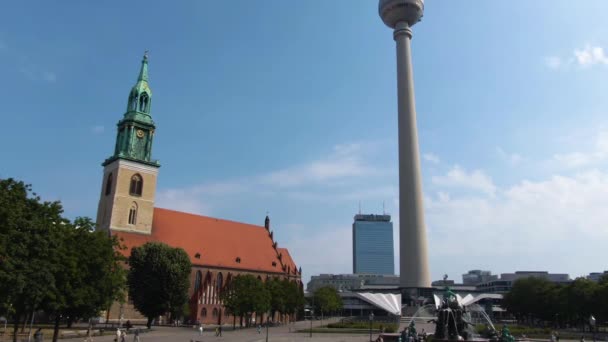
90, 274
326, 300
28, 253
277, 291
158, 279
294, 297
245, 296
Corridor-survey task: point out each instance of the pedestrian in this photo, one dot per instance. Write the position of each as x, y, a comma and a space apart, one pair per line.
118, 334
583, 338
557, 336
217, 331
123, 337
260, 328
200, 330
38, 335
220, 328
136, 335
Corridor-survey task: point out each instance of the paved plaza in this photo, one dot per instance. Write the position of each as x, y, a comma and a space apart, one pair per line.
278, 334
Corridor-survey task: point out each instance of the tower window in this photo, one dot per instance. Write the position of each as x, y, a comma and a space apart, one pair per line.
137, 184
133, 214
144, 102
109, 184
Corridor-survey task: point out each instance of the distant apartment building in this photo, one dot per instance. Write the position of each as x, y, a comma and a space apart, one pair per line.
349, 282
475, 277
373, 250
595, 276
506, 280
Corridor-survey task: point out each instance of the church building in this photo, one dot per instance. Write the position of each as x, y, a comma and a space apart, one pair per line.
218, 249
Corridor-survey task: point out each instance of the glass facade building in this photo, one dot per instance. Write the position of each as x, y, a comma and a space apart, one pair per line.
373, 249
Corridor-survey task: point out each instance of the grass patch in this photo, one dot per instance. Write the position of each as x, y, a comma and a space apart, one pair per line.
388, 327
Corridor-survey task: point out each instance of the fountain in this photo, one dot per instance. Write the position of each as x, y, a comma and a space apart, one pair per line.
455, 321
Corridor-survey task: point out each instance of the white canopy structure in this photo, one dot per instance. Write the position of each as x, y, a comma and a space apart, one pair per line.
386, 301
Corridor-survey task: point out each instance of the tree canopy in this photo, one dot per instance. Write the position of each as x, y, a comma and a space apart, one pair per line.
532, 299
326, 299
49, 263
158, 279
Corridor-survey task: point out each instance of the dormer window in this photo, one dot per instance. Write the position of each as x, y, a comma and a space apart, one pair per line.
274, 264
238, 260
197, 255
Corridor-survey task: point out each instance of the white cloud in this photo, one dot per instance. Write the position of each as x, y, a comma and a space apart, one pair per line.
523, 224
98, 129
596, 154
49, 76
553, 62
431, 158
344, 162
182, 200
34, 73
512, 158
457, 177
590, 55
328, 250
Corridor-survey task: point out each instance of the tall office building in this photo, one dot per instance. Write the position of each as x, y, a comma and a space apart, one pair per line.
373, 251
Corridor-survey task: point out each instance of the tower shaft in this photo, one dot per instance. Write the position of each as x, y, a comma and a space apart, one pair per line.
414, 270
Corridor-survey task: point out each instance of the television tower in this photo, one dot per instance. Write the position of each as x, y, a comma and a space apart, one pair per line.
401, 15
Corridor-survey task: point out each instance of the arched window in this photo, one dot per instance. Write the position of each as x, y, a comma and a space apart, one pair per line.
133, 101
109, 184
214, 312
137, 185
220, 281
198, 280
133, 214
204, 312
143, 103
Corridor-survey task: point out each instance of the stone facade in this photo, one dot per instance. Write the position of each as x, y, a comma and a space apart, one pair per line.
114, 207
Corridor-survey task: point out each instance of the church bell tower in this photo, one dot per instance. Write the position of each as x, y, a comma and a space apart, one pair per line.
129, 175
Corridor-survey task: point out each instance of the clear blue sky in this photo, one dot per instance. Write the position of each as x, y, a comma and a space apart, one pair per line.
290, 107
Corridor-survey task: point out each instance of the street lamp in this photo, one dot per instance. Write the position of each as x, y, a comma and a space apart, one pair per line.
311, 313
267, 326
371, 321
592, 325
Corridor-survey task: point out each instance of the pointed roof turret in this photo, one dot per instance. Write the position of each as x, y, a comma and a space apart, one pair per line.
143, 72
142, 79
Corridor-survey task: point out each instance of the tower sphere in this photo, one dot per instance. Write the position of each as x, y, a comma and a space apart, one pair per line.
394, 11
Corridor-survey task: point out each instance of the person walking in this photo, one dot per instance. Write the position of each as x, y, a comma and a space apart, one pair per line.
38, 335
200, 329
118, 334
136, 335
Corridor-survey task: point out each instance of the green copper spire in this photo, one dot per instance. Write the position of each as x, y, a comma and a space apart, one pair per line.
143, 72
136, 129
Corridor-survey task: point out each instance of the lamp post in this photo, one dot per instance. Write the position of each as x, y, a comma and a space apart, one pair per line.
371, 321
267, 324
592, 325
311, 313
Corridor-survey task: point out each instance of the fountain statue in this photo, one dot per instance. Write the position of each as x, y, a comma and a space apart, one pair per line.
451, 323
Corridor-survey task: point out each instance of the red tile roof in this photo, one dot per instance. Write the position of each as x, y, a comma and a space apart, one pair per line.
219, 242
288, 261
